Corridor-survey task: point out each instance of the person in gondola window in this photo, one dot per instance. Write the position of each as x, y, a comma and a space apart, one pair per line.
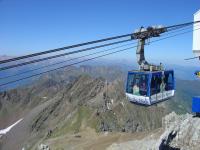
143, 88
136, 90
162, 85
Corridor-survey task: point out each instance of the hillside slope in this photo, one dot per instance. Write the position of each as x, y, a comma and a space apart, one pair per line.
83, 104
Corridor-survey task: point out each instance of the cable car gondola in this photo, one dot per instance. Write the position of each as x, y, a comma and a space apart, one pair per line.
150, 87
151, 83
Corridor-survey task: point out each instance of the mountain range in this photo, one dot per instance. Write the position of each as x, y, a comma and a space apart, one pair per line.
68, 102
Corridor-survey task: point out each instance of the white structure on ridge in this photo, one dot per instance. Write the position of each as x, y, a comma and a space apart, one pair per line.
196, 34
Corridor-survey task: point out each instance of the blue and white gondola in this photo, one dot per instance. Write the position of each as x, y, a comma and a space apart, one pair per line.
147, 88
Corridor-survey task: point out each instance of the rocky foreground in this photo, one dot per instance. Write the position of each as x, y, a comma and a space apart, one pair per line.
178, 132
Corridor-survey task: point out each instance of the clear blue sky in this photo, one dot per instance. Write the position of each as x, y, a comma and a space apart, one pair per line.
29, 26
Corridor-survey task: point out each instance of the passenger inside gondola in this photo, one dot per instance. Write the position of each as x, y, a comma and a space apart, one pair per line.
162, 85
155, 84
138, 84
136, 90
143, 85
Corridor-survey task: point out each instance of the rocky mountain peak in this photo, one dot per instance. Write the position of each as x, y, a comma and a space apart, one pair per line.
180, 132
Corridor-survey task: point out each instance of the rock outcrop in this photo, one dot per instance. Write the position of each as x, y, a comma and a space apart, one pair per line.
178, 132
181, 132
